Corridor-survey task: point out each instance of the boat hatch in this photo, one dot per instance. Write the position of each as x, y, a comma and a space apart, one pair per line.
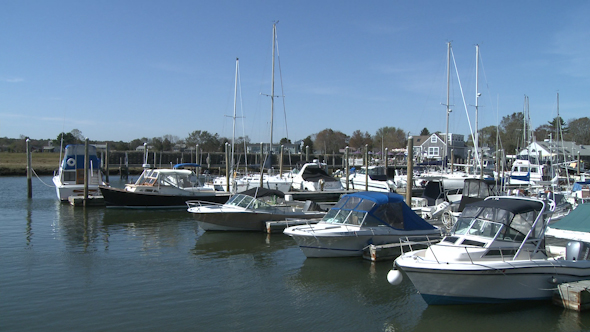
450, 239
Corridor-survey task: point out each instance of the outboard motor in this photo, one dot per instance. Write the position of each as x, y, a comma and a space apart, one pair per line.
576, 251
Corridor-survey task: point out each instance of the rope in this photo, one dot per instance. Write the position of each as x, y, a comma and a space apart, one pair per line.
48, 185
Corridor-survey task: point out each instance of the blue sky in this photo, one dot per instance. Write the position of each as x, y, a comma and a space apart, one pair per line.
120, 70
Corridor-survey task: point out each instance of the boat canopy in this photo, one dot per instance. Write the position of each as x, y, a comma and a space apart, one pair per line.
263, 192
177, 166
314, 174
522, 219
578, 220
376, 209
74, 157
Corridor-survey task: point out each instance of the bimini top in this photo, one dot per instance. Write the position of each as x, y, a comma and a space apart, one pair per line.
511, 204
262, 192
376, 209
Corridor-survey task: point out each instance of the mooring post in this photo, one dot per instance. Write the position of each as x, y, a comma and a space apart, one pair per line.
261, 165
106, 166
366, 167
281, 163
307, 153
410, 170
29, 168
226, 167
86, 163
346, 166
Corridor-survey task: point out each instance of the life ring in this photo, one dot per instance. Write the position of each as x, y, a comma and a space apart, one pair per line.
71, 162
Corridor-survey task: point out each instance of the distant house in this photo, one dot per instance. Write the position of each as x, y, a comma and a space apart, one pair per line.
433, 146
557, 151
49, 147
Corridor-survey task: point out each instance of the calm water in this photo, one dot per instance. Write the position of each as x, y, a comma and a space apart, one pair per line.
73, 269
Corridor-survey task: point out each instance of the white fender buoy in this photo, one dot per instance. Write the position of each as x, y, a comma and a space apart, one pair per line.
394, 277
71, 162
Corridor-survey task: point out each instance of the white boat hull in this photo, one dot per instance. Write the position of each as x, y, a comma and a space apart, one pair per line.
75, 190
491, 281
329, 240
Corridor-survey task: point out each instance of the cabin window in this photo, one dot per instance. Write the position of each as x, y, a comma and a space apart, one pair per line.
392, 214
371, 221
534, 170
69, 175
355, 218
433, 151
432, 139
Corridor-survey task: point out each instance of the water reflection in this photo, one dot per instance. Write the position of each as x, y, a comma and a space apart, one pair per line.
211, 245
78, 227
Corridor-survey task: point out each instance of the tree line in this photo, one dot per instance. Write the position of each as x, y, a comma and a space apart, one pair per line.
511, 134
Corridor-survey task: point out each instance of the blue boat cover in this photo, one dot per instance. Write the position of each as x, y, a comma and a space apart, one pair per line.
386, 209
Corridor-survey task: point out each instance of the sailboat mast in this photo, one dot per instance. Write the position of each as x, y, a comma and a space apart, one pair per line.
233, 138
477, 95
448, 101
272, 88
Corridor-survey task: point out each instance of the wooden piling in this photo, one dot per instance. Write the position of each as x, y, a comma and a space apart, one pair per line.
410, 169
346, 166
366, 167
106, 165
86, 164
281, 163
29, 170
227, 177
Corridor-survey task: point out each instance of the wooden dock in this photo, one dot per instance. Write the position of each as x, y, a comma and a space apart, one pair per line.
280, 225
92, 201
573, 295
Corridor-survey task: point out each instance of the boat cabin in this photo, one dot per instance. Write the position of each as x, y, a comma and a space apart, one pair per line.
498, 226
375, 209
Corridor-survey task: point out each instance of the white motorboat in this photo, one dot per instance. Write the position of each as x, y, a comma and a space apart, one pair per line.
162, 188
358, 220
313, 177
69, 178
495, 253
243, 183
250, 210
374, 179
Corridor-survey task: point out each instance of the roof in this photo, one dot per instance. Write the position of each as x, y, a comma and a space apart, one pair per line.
509, 203
577, 220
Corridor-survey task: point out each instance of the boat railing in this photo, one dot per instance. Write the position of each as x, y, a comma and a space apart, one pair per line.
415, 241
197, 204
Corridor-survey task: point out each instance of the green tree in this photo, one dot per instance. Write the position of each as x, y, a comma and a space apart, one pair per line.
68, 138
389, 137
511, 132
308, 141
425, 132
328, 141
579, 130
284, 140
358, 139
207, 142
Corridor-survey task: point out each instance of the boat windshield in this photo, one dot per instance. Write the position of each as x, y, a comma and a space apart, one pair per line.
240, 200
491, 222
478, 227
352, 211
248, 202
